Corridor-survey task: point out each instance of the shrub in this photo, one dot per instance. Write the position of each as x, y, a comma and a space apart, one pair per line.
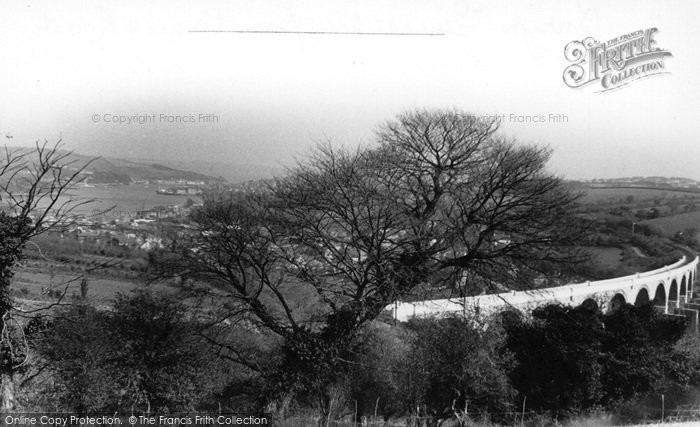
577, 359
143, 355
558, 352
380, 376
459, 361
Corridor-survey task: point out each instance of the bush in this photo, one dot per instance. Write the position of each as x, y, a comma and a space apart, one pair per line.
380, 375
458, 362
559, 357
577, 359
78, 350
639, 352
144, 355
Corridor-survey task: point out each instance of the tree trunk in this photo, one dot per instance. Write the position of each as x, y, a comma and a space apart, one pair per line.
7, 393
278, 407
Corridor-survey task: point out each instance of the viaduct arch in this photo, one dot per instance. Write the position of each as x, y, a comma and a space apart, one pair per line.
670, 288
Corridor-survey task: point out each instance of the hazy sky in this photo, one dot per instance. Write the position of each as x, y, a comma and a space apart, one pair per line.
69, 68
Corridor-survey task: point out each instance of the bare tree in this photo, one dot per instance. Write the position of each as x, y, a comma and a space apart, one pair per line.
348, 232
33, 199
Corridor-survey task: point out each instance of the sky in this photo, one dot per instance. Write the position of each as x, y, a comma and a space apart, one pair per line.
197, 88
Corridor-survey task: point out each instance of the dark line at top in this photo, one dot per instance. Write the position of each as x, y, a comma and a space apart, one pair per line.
342, 33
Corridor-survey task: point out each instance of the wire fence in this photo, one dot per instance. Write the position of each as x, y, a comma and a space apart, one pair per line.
685, 413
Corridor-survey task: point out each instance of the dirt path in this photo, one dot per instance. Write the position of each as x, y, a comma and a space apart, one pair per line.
638, 252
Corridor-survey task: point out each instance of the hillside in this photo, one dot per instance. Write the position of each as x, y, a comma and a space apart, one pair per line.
673, 224
122, 171
230, 171
137, 171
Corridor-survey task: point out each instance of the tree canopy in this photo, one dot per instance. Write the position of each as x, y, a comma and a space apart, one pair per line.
439, 199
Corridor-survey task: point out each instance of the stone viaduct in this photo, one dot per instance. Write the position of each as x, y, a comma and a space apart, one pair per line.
670, 288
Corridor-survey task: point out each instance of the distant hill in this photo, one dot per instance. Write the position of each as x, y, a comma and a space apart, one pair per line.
231, 172
123, 171
137, 171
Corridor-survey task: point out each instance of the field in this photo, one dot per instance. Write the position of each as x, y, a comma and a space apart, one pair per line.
606, 257
671, 225
598, 195
36, 287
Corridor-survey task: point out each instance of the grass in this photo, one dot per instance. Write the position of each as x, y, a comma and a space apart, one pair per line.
608, 258
594, 195
670, 225
33, 286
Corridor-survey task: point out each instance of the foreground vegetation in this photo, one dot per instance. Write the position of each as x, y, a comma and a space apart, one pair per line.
151, 354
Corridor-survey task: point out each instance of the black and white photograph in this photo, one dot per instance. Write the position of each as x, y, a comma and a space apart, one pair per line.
393, 213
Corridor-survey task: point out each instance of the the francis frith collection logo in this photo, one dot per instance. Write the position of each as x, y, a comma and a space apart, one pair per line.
615, 63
